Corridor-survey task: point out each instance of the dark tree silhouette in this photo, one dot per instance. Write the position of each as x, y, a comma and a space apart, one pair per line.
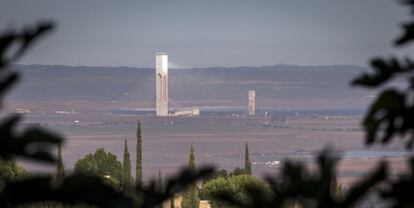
127, 180
60, 168
36, 144
391, 115
297, 184
247, 162
159, 186
190, 196
138, 162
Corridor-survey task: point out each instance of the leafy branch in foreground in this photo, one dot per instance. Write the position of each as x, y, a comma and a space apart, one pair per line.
392, 113
151, 196
400, 191
408, 27
296, 185
24, 39
33, 143
36, 143
73, 190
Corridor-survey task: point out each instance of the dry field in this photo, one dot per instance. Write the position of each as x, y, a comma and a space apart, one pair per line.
166, 148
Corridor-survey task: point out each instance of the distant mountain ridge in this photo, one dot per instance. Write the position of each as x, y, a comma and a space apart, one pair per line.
274, 67
272, 83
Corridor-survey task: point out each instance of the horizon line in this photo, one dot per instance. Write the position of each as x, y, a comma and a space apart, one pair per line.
203, 67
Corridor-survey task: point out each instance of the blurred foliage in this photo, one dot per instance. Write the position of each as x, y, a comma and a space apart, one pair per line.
392, 113
148, 196
10, 170
235, 186
399, 192
33, 143
389, 116
60, 167
36, 144
159, 186
72, 190
297, 184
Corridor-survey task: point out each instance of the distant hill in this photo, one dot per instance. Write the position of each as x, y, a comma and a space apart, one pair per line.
278, 82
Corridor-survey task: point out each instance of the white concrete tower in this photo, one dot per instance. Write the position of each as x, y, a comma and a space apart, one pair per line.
252, 103
161, 79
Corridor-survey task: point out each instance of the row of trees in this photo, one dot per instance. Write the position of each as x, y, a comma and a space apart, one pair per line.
389, 117
98, 177
106, 165
217, 182
19, 187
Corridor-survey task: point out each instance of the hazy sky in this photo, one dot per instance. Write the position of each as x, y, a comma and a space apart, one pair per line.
199, 33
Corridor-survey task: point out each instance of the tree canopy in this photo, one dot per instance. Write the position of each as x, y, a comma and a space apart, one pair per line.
36, 144
60, 168
101, 163
234, 185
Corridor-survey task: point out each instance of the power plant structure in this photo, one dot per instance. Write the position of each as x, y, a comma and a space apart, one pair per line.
252, 103
161, 80
161, 98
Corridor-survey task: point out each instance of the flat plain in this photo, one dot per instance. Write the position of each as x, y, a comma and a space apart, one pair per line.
79, 102
166, 146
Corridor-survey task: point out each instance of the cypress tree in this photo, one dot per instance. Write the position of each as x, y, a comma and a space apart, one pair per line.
126, 169
247, 162
138, 165
60, 169
191, 159
159, 185
190, 197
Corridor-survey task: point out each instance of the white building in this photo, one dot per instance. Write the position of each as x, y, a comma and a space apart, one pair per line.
161, 79
193, 112
252, 103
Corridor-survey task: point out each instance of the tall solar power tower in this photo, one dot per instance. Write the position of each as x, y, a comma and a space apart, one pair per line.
161, 79
252, 103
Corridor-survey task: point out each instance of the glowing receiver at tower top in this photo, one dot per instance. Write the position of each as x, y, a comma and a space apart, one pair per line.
161, 80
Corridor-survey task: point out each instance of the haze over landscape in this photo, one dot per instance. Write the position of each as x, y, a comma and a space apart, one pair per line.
307, 87
245, 86
213, 61
209, 33
104, 102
